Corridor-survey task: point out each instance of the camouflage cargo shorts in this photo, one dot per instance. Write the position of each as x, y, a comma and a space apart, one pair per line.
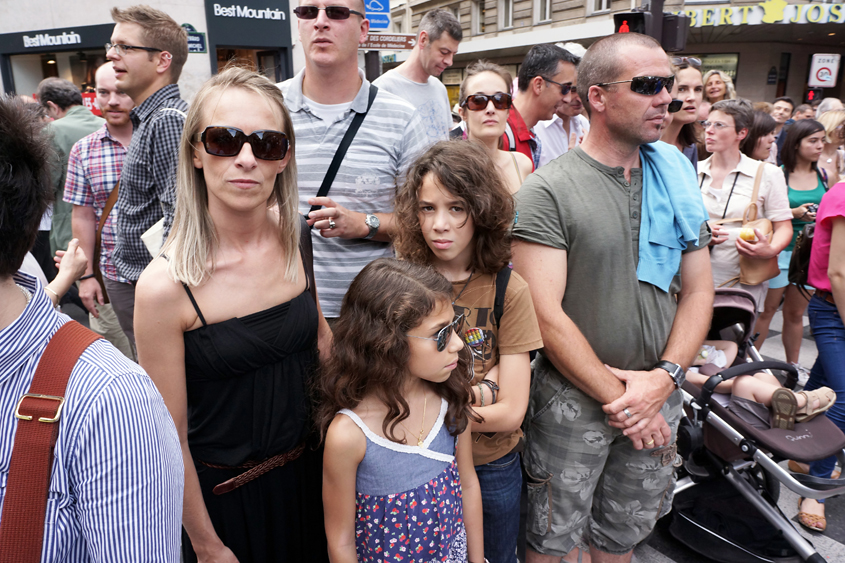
586, 482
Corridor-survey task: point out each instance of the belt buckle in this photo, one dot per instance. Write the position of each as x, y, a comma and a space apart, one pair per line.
61, 401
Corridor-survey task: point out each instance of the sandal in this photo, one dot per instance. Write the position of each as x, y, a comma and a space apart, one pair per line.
826, 398
812, 522
784, 408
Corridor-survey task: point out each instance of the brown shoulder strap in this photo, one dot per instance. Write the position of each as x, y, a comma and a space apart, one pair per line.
98, 240
750, 211
38, 413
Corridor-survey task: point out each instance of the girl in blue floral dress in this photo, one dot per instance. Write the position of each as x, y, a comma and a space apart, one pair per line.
398, 478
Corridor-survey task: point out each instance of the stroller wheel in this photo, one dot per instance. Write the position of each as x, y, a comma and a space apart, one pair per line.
762, 480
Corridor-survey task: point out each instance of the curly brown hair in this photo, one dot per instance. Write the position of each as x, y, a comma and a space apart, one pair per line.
466, 170
370, 350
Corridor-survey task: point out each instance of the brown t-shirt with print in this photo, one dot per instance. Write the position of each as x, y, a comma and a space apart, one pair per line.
519, 333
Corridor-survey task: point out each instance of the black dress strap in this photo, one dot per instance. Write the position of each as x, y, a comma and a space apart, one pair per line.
194, 303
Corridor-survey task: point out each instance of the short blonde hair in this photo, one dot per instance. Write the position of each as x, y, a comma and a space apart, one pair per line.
831, 120
160, 31
193, 242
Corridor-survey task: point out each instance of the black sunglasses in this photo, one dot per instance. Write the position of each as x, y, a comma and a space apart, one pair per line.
332, 12
646, 85
228, 141
478, 102
445, 333
564, 88
675, 106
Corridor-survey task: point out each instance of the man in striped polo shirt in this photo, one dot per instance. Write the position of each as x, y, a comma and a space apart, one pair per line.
355, 222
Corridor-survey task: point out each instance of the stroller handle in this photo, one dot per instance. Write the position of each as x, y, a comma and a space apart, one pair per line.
745, 369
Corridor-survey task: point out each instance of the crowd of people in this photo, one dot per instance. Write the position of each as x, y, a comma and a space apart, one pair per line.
287, 273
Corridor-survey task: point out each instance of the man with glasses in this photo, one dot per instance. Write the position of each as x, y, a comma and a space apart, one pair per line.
355, 218
416, 80
612, 240
147, 49
545, 80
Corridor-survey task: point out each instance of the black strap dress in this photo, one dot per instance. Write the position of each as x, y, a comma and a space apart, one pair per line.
247, 392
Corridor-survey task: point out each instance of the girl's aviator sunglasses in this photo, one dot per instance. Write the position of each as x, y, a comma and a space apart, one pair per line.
478, 102
228, 141
332, 12
445, 333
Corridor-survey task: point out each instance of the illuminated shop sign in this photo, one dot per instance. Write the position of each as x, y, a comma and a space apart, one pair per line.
47, 40
770, 11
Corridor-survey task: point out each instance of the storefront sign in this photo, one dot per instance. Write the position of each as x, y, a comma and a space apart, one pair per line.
378, 12
196, 39
823, 71
770, 11
389, 42
47, 40
243, 11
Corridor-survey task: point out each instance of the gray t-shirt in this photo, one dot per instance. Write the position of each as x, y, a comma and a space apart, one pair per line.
577, 204
430, 99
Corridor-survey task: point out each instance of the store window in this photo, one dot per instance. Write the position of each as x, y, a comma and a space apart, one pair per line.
597, 6
266, 62
726, 62
506, 14
29, 70
542, 11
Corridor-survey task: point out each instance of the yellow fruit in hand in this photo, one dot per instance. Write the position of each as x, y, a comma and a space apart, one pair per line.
747, 234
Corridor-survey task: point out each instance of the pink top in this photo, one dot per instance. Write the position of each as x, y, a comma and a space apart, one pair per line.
831, 207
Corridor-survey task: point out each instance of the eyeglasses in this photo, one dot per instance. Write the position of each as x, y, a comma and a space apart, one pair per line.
228, 141
445, 333
691, 61
564, 88
675, 106
478, 102
332, 12
121, 49
646, 85
717, 124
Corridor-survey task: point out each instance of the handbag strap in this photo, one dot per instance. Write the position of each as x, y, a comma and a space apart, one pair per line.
750, 213
307, 252
342, 148
38, 413
98, 239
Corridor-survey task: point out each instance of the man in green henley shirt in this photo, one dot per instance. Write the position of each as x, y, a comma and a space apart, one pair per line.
604, 406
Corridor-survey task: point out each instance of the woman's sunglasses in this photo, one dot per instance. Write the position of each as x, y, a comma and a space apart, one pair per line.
445, 333
478, 102
332, 12
675, 106
646, 85
228, 141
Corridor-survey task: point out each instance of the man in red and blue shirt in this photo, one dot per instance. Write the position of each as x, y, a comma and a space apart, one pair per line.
94, 166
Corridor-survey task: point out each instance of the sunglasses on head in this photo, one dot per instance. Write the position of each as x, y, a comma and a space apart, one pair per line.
646, 85
445, 333
332, 12
564, 88
478, 102
228, 141
691, 61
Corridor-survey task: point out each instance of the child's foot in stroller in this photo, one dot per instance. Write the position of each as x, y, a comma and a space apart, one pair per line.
811, 514
784, 408
815, 402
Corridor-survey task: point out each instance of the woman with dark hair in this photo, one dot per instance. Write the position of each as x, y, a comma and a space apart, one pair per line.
806, 185
760, 143
727, 184
682, 130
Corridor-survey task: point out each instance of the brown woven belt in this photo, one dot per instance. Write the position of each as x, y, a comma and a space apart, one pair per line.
255, 469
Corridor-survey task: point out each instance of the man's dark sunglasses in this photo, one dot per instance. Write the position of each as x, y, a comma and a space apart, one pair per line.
564, 88
646, 85
332, 12
228, 141
445, 333
478, 102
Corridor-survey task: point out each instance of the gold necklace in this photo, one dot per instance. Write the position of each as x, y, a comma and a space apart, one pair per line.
420, 441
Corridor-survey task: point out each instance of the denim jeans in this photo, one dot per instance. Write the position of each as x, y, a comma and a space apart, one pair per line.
829, 369
501, 486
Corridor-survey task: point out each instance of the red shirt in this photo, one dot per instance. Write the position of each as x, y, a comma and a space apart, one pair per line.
524, 139
831, 207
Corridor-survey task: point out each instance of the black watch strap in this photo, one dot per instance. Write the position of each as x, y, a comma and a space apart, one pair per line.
675, 371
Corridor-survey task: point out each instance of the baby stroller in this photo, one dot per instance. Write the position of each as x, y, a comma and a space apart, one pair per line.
723, 456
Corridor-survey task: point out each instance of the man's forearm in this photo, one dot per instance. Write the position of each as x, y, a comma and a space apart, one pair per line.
84, 227
692, 321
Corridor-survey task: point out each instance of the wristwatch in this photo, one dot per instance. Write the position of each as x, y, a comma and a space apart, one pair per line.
373, 223
675, 371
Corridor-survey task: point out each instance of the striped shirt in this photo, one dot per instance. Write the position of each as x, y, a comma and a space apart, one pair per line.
117, 479
148, 183
93, 169
389, 140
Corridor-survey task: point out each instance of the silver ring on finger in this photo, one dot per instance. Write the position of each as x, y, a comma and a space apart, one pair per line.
332, 224
627, 412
